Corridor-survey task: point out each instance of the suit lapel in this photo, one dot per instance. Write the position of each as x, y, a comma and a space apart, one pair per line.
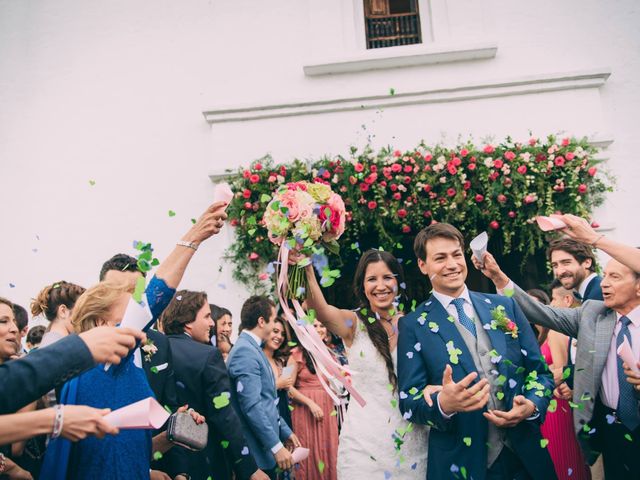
448, 332
483, 305
605, 324
263, 358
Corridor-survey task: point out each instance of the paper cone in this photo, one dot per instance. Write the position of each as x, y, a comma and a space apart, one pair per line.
626, 354
223, 193
479, 246
547, 224
136, 316
299, 454
146, 414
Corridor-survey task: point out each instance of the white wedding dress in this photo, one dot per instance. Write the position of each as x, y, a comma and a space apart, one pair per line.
367, 449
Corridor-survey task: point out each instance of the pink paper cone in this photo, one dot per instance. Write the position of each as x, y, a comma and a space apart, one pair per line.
299, 454
626, 354
223, 193
547, 224
145, 414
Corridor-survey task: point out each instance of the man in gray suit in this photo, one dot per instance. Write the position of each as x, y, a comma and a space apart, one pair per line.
255, 395
607, 412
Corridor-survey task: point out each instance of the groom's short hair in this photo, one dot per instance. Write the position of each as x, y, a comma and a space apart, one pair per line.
254, 308
444, 230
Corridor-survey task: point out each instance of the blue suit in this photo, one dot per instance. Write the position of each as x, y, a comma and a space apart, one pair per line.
460, 441
593, 290
254, 397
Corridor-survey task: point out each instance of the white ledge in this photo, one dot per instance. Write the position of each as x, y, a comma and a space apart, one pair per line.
404, 56
456, 93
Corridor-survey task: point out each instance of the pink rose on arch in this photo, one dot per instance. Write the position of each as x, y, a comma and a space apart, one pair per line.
253, 256
582, 188
489, 149
522, 169
512, 214
406, 229
479, 198
397, 153
428, 157
396, 167
559, 161
533, 141
464, 152
530, 199
498, 163
569, 155
451, 192
592, 171
494, 225
502, 198
509, 155
565, 142
402, 213
471, 166
359, 167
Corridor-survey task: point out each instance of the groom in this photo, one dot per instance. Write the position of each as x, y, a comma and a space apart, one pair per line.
495, 386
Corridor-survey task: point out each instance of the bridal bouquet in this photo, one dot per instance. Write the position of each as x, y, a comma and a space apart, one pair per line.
306, 218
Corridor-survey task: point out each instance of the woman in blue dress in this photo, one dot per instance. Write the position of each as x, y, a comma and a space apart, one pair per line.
128, 454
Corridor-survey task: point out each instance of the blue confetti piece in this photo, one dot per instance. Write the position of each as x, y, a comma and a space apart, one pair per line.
496, 359
569, 472
487, 300
407, 415
512, 383
244, 451
387, 475
400, 260
239, 387
11, 285
611, 419
34, 250
403, 285
454, 468
403, 395
348, 322
524, 352
271, 269
417, 347
410, 355
180, 384
222, 286
414, 466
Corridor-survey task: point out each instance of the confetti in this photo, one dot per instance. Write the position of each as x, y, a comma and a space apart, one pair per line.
157, 456
628, 437
11, 285
409, 355
224, 443
154, 369
172, 213
239, 387
467, 441
508, 292
392, 91
553, 405
610, 419
245, 451
417, 347
512, 383
433, 326
320, 466
544, 442
221, 400
92, 182
193, 220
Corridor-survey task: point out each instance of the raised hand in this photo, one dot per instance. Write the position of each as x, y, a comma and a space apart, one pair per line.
210, 223
461, 396
578, 229
522, 409
490, 269
110, 344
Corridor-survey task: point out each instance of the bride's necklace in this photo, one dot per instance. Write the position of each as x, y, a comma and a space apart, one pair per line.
389, 321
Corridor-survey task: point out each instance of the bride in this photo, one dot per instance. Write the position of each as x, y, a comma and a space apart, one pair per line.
375, 441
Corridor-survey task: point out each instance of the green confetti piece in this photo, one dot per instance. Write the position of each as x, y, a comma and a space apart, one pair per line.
463, 471
553, 405
320, 466
193, 220
139, 290
92, 182
154, 369
291, 408
500, 395
157, 456
501, 379
544, 442
394, 403
566, 373
508, 292
264, 198
333, 413
221, 400
166, 407
519, 370
392, 91
292, 344
628, 437
251, 232
224, 443
413, 391
467, 441
172, 213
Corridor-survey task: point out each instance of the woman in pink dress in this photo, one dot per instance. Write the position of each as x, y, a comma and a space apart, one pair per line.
314, 418
563, 445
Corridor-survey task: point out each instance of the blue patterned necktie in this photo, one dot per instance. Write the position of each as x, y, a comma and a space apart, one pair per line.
627, 403
463, 318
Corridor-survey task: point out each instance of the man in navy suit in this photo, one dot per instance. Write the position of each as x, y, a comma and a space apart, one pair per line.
495, 385
574, 264
254, 395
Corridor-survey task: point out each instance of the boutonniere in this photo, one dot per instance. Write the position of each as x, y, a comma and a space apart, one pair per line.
149, 350
504, 323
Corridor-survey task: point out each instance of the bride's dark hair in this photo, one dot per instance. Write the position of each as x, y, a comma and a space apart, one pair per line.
375, 330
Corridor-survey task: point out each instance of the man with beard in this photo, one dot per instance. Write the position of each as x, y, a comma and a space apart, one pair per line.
574, 264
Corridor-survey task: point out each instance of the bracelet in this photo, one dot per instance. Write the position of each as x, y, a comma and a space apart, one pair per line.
593, 244
3, 463
184, 243
58, 421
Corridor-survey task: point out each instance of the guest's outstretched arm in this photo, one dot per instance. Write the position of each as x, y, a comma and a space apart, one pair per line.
338, 321
172, 269
580, 230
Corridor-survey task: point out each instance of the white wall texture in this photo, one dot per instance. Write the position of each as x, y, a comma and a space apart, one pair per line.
115, 92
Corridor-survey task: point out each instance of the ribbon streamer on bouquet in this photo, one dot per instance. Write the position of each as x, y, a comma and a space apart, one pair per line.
326, 365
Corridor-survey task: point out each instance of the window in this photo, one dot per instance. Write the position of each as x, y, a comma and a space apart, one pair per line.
390, 23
